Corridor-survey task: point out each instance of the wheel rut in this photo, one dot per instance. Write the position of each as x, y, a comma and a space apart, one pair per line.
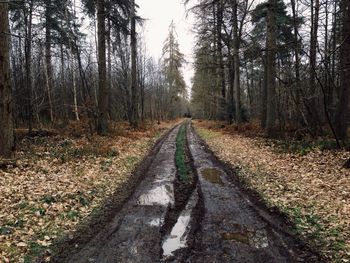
187, 210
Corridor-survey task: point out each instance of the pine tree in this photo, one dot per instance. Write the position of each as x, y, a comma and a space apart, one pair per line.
173, 60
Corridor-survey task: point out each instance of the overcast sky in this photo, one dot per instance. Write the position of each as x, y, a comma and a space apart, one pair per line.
158, 15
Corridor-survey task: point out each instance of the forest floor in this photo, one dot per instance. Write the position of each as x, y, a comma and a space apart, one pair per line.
73, 198
59, 179
305, 182
187, 208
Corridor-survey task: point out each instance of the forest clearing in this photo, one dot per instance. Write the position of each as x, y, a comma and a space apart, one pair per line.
174, 131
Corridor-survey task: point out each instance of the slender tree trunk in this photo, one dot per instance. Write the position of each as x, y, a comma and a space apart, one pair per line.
237, 80
314, 118
28, 65
220, 60
264, 93
48, 64
102, 123
296, 52
63, 88
71, 65
109, 69
231, 100
342, 117
134, 86
6, 122
271, 68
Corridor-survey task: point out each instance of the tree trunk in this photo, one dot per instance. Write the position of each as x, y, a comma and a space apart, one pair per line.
314, 118
220, 60
6, 122
28, 65
109, 68
236, 45
271, 68
48, 64
342, 117
63, 88
264, 93
102, 124
134, 86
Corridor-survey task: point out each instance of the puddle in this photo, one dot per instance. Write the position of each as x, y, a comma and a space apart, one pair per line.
155, 222
160, 195
177, 238
257, 239
212, 175
239, 237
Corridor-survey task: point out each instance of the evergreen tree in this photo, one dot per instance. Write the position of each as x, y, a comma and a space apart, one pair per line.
173, 60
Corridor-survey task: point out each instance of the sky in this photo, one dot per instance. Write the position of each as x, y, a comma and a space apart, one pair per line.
158, 15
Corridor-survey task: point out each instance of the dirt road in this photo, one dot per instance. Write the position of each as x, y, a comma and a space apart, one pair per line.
199, 216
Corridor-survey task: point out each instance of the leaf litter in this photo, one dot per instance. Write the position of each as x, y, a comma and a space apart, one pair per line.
60, 180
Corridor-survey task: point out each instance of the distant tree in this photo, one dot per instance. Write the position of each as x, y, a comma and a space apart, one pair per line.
6, 123
173, 60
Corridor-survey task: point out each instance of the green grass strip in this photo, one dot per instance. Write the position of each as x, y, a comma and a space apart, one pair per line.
180, 153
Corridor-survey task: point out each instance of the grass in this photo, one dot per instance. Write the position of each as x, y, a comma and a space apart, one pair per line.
180, 154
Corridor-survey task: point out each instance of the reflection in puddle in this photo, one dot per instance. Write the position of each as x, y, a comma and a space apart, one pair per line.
212, 175
160, 195
178, 235
155, 222
256, 239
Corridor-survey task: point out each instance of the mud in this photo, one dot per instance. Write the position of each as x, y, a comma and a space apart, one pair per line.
207, 218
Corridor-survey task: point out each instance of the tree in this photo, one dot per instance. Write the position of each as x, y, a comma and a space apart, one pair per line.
172, 64
271, 67
102, 125
342, 117
134, 82
6, 123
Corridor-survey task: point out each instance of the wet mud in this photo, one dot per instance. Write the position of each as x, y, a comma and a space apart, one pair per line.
203, 218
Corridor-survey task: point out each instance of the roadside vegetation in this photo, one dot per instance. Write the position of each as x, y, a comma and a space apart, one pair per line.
307, 182
59, 180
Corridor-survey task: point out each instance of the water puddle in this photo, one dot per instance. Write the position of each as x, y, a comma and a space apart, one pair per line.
155, 222
178, 235
257, 239
212, 175
160, 195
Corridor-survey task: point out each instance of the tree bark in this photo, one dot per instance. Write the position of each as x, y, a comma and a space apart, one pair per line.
134, 83
102, 123
236, 44
271, 68
6, 122
48, 64
314, 118
342, 117
28, 65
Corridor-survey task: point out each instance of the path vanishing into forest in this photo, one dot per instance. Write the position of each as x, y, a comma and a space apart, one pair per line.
187, 208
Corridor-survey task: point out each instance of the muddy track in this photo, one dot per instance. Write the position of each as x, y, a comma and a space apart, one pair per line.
186, 209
